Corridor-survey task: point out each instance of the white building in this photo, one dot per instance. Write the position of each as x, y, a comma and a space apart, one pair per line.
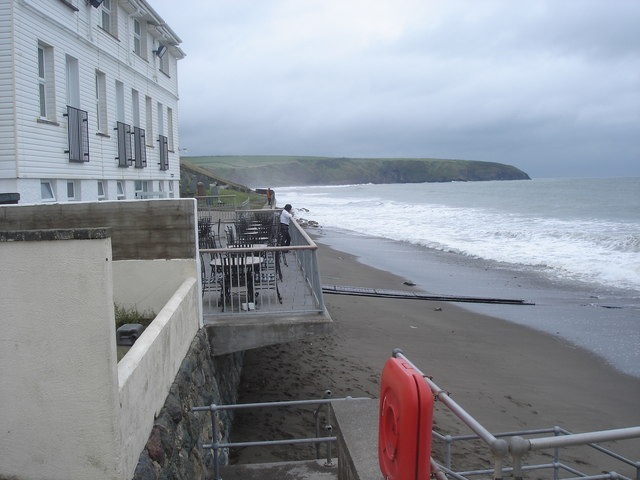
88, 101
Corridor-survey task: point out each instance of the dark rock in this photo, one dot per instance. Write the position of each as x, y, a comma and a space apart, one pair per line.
154, 445
145, 470
174, 408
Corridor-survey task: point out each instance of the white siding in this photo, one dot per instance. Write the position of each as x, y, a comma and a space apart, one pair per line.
7, 113
41, 146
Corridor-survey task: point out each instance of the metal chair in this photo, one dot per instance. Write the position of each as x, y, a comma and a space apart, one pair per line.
237, 280
266, 279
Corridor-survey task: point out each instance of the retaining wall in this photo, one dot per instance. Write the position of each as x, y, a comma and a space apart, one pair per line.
173, 449
147, 371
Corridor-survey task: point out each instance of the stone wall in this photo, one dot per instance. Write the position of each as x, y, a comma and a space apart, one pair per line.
174, 449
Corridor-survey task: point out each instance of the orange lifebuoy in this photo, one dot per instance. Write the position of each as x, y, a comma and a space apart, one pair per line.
405, 422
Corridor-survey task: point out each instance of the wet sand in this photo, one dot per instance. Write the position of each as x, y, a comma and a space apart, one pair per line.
508, 376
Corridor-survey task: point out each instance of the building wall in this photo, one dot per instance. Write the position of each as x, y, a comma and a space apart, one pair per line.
41, 143
59, 378
7, 145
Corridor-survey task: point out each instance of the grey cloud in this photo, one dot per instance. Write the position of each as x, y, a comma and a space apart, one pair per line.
551, 87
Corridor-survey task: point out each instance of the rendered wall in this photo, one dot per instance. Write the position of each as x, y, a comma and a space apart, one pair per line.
59, 381
148, 370
148, 285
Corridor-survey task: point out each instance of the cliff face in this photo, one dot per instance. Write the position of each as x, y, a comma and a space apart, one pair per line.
341, 171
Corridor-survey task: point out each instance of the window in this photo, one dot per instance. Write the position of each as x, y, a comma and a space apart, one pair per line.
102, 191
160, 112
101, 102
119, 101
42, 81
73, 82
163, 58
170, 189
140, 38
170, 128
71, 190
46, 191
120, 190
141, 188
149, 120
137, 40
46, 90
135, 107
109, 17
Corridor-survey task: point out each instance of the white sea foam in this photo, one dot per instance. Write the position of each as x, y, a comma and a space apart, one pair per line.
582, 230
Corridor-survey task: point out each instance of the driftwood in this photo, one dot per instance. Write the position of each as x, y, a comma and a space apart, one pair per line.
402, 294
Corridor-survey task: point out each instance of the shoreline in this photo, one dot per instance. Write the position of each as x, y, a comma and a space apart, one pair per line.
508, 376
604, 322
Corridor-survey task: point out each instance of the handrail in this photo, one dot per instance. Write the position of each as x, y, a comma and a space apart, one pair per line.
498, 446
518, 446
215, 445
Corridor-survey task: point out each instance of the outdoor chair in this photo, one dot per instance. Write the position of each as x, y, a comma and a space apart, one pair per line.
266, 279
237, 279
210, 278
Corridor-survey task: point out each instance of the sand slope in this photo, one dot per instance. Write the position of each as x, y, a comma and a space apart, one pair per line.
508, 376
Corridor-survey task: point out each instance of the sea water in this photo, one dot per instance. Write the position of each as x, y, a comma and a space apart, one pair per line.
571, 246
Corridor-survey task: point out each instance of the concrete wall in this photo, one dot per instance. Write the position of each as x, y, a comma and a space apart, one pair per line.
147, 371
69, 409
147, 285
59, 379
357, 431
140, 229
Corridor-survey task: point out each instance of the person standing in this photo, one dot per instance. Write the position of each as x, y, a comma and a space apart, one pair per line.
285, 219
269, 196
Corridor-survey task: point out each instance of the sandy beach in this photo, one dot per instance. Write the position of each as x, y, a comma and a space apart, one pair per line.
508, 376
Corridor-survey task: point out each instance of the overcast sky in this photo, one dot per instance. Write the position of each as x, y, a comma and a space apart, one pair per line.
550, 86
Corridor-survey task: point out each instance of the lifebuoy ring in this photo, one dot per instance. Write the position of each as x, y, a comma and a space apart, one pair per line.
405, 423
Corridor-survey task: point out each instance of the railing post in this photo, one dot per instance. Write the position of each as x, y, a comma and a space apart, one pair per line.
498, 465
328, 463
214, 442
329, 428
518, 447
556, 456
449, 443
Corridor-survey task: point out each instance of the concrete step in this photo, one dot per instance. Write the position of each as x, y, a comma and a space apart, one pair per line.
300, 470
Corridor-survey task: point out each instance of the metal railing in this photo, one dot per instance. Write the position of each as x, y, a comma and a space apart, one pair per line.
217, 207
248, 279
517, 446
216, 435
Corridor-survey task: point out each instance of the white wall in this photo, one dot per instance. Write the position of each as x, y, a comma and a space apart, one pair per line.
148, 285
7, 146
59, 381
147, 371
69, 409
